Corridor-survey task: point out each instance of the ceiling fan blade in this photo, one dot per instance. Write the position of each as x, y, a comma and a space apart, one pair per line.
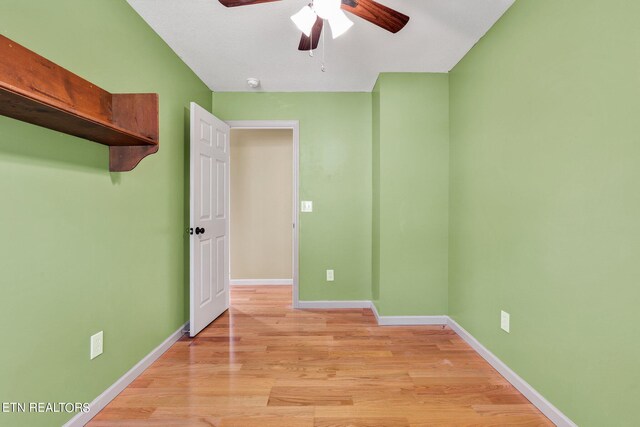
234, 3
382, 16
310, 43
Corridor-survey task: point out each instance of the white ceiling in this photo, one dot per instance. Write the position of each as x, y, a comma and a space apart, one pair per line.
225, 46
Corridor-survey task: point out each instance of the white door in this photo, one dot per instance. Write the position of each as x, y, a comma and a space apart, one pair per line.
209, 195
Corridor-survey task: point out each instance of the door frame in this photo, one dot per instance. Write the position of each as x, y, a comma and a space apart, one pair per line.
294, 125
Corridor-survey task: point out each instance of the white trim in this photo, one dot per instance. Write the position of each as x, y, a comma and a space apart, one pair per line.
333, 304
260, 282
375, 311
407, 320
262, 124
295, 126
411, 320
382, 320
546, 407
116, 388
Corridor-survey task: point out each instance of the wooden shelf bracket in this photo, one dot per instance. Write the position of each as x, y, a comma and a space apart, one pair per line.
35, 90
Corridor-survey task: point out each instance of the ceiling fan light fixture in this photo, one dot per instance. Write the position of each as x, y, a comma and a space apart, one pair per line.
327, 9
339, 23
304, 20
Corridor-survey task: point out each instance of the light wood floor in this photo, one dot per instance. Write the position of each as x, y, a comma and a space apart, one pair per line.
264, 364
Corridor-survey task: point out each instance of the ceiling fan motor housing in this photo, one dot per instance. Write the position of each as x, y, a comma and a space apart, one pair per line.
253, 83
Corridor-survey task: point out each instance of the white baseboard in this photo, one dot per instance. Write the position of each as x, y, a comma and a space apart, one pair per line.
411, 320
382, 320
408, 320
116, 388
375, 311
256, 282
553, 413
333, 304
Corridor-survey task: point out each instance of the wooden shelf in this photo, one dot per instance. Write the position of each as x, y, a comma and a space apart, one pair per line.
35, 90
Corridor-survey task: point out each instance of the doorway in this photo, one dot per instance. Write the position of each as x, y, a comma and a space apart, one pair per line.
263, 204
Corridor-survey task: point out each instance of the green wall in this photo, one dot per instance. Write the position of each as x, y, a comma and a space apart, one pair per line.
545, 166
85, 250
335, 173
362, 156
411, 193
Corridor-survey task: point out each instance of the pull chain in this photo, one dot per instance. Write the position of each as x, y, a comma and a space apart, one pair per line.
311, 35
322, 66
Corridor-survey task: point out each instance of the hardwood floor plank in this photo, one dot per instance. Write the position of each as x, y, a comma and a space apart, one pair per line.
264, 364
276, 412
262, 421
310, 396
362, 422
115, 413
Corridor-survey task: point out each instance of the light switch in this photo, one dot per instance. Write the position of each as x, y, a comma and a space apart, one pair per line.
505, 319
97, 341
306, 206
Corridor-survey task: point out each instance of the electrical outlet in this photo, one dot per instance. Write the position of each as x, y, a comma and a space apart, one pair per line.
504, 321
329, 275
306, 206
96, 345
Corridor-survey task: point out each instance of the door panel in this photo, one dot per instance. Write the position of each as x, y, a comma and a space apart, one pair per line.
221, 173
221, 244
209, 203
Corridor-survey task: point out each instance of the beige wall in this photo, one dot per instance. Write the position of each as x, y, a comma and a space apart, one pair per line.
261, 204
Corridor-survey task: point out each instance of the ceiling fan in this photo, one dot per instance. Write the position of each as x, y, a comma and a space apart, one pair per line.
310, 19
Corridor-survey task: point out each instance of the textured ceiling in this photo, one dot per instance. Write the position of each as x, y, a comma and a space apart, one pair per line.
225, 46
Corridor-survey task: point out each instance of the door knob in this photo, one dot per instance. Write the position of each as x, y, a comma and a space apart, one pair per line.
199, 230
